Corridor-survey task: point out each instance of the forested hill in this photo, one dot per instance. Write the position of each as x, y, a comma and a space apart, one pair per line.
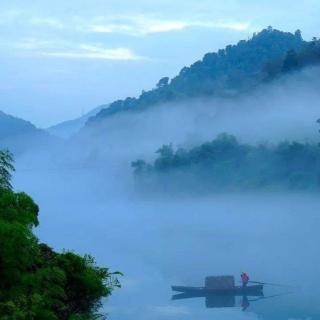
229, 71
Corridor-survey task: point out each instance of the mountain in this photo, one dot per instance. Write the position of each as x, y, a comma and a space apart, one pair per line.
228, 72
19, 135
68, 128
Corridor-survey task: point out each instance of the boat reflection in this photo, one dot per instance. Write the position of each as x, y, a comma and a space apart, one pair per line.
220, 300
221, 292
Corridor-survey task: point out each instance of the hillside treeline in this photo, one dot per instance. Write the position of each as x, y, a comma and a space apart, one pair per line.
227, 164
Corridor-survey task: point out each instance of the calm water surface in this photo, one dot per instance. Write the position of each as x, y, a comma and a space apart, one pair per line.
160, 242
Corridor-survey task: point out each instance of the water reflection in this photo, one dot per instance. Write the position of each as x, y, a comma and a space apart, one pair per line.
221, 292
226, 300
158, 243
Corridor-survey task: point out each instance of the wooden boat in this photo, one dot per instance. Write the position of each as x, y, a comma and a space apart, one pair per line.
254, 290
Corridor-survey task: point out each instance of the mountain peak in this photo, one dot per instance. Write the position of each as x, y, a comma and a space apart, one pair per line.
234, 69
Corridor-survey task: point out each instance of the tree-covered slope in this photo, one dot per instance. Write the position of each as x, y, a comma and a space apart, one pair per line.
226, 164
230, 71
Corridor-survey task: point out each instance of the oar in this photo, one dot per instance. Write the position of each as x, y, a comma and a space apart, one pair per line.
272, 284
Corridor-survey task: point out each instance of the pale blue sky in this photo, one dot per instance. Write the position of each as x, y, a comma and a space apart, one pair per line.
62, 58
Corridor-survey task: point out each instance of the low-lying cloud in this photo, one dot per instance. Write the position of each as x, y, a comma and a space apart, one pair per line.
284, 110
96, 52
137, 25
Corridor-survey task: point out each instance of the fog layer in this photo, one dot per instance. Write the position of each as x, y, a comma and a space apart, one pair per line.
88, 202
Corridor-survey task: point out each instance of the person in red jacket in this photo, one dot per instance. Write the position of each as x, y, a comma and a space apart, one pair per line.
244, 279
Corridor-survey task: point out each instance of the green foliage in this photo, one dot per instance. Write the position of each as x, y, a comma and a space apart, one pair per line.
38, 283
295, 60
140, 166
6, 167
230, 71
163, 82
225, 164
290, 62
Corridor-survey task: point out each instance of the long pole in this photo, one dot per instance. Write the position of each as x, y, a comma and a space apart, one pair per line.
272, 284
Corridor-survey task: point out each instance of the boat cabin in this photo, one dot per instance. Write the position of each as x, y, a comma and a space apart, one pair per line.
220, 282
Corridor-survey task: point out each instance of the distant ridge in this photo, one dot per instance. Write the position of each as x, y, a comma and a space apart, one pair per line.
11, 126
68, 128
19, 135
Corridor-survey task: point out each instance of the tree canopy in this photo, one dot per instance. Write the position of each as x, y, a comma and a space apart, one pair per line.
226, 164
38, 283
6, 168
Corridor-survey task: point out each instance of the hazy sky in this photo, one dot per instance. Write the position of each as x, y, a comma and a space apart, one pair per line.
62, 58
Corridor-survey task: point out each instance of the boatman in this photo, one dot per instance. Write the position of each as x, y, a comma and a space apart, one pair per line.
244, 279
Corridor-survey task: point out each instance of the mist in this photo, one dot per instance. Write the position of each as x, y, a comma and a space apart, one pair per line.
88, 199
287, 109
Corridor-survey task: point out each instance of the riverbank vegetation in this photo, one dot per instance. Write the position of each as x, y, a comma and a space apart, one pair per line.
38, 283
227, 164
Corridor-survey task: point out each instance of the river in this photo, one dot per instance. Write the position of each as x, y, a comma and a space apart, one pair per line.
164, 241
